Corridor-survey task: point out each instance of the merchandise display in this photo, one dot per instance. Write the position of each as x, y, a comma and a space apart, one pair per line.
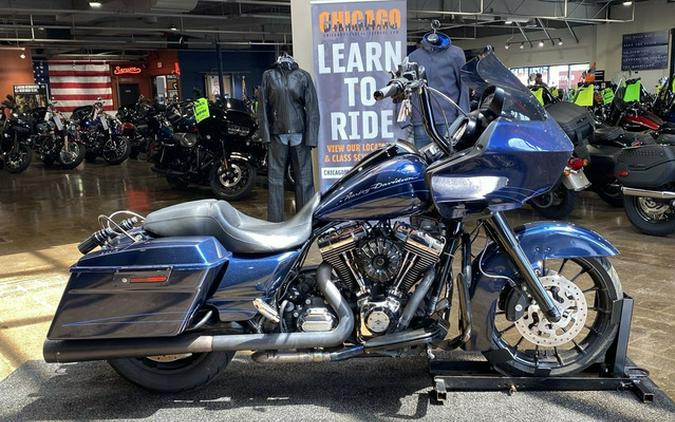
216, 210
289, 124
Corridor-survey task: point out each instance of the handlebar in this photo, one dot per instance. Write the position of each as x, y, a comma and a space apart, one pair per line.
394, 88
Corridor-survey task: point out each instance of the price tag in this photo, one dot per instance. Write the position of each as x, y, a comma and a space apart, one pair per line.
104, 122
607, 96
201, 109
405, 111
48, 116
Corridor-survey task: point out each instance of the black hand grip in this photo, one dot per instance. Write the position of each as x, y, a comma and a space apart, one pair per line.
88, 244
96, 239
394, 88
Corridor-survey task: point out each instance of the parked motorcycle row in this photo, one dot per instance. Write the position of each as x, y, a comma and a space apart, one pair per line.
624, 150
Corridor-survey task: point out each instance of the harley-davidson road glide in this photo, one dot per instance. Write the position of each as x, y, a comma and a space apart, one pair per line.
169, 298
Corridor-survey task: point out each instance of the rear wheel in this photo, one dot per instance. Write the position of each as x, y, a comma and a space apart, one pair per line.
651, 215
584, 290
72, 156
172, 373
556, 204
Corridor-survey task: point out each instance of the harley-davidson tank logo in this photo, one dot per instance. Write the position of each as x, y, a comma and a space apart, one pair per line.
377, 186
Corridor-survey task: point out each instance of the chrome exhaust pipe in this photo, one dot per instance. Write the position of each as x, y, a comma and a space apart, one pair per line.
63, 351
648, 193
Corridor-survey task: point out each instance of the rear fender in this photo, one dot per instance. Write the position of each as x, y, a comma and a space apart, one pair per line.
540, 240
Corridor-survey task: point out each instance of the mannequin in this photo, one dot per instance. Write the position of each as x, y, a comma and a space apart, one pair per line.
289, 124
442, 62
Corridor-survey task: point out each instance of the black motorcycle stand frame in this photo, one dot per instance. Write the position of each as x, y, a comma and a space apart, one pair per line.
617, 372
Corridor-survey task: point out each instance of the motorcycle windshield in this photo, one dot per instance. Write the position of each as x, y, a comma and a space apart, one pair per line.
487, 70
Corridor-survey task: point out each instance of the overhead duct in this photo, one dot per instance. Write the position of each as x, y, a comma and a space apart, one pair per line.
174, 6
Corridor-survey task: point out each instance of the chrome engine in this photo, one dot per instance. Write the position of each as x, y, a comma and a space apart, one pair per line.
381, 265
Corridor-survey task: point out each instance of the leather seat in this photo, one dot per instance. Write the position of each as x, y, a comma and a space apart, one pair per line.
236, 231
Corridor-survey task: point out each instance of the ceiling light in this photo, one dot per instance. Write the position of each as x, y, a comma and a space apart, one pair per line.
522, 45
508, 22
22, 55
627, 3
95, 4
506, 46
173, 27
560, 42
540, 44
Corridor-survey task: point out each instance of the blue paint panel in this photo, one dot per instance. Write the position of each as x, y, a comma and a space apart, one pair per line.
512, 162
540, 240
101, 301
248, 278
378, 189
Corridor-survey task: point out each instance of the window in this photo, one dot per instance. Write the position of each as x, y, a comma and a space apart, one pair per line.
563, 76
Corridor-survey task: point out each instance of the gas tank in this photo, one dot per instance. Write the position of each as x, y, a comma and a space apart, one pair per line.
388, 183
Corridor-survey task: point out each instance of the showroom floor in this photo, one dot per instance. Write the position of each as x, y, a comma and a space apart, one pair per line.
45, 212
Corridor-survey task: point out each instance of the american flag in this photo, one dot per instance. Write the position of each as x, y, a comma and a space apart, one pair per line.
74, 84
40, 74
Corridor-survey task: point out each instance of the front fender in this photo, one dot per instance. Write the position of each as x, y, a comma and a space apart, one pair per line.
539, 241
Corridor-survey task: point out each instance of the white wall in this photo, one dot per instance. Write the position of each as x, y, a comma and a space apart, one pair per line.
597, 43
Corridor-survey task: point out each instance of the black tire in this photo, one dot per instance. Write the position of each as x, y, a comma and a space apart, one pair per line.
190, 372
47, 160
18, 159
236, 186
584, 347
90, 157
116, 150
642, 212
73, 157
610, 193
556, 204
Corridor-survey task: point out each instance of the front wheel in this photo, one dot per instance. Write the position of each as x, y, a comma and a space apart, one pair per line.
651, 215
233, 182
72, 155
172, 373
18, 159
116, 150
556, 204
584, 290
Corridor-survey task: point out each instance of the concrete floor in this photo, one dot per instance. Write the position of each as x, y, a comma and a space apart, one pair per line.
45, 212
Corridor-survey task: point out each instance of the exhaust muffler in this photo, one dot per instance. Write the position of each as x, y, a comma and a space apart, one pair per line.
648, 193
63, 351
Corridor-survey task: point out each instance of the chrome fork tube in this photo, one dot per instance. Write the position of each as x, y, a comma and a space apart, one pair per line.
506, 239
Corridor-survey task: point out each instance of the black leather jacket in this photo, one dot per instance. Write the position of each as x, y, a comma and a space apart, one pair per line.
288, 103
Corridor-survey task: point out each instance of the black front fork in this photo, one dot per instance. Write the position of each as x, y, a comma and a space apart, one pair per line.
501, 232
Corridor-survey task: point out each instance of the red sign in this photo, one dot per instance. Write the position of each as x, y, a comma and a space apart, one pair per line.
131, 70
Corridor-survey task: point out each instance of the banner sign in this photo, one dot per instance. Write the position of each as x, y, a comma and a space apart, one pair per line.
645, 51
355, 45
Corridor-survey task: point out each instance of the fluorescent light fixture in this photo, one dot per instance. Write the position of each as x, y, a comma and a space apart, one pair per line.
627, 3
508, 22
95, 4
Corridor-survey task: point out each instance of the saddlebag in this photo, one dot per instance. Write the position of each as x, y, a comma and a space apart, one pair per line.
647, 166
576, 122
147, 289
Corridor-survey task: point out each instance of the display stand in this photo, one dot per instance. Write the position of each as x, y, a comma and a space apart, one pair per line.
617, 372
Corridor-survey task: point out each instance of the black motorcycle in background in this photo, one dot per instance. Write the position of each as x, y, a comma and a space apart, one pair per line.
102, 136
56, 139
136, 125
15, 140
218, 152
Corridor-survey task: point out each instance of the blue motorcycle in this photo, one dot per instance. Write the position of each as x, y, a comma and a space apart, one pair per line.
169, 298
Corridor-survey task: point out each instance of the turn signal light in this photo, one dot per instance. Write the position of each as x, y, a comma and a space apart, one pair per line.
576, 163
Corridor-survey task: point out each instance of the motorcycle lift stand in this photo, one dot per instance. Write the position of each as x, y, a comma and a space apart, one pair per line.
617, 372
